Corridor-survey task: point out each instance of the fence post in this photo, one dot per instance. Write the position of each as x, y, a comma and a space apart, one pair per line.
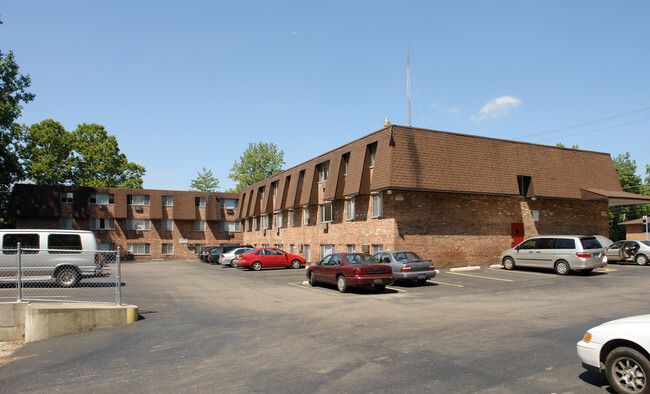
19, 283
118, 278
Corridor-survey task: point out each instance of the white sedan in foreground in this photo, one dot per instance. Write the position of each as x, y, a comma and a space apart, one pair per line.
622, 349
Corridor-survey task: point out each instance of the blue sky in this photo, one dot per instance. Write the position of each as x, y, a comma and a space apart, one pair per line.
189, 84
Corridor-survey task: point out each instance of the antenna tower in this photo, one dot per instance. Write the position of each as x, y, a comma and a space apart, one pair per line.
408, 79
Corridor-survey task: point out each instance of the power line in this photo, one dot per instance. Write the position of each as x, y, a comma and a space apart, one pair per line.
601, 129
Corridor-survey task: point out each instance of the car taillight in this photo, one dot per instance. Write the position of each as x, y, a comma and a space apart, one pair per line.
389, 270
359, 271
405, 269
432, 267
222, 255
583, 255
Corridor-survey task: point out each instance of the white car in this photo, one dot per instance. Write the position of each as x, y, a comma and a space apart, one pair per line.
622, 349
230, 257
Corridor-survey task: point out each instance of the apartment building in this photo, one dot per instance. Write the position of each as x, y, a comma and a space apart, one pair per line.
455, 199
144, 224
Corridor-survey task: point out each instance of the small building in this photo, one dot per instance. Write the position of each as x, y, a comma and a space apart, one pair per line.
149, 224
635, 230
453, 198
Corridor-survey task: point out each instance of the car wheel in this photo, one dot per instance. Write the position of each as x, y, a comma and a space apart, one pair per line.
562, 267
233, 263
312, 279
641, 259
379, 288
627, 370
295, 263
67, 277
509, 263
342, 284
256, 266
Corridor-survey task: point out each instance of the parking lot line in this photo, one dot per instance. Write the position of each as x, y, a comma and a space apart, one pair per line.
448, 284
549, 275
400, 290
313, 288
482, 277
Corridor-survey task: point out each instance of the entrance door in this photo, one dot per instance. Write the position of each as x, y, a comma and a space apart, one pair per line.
516, 233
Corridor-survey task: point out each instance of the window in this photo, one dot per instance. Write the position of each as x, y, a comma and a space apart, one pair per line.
198, 248
199, 202
377, 249
325, 250
265, 221
167, 225
351, 248
247, 225
102, 199
138, 249
373, 152
262, 193
102, 224
229, 203
277, 220
567, 243
292, 219
135, 199
377, 205
274, 188
67, 223
167, 249
326, 213
349, 209
167, 201
108, 246
346, 163
292, 248
323, 170
279, 246
307, 251
524, 184
229, 226
66, 197
138, 224
305, 216
64, 242
27, 241
199, 225
256, 223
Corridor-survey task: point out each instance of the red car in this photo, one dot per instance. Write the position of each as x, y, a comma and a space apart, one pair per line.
350, 269
269, 257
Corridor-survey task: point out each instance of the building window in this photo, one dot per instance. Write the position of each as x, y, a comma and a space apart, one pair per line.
167, 249
199, 202
377, 249
292, 249
167, 225
66, 197
102, 199
256, 223
524, 184
346, 163
229, 226
67, 223
292, 219
277, 220
265, 222
323, 170
325, 250
167, 201
373, 152
107, 246
198, 248
102, 224
307, 251
247, 225
138, 249
349, 209
351, 248
138, 224
279, 246
305, 216
326, 213
229, 203
274, 188
377, 205
199, 225
136, 199
262, 193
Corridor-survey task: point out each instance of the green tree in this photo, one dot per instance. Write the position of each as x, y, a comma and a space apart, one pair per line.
630, 182
87, 156
259, 161
12, 93
561, 145
205, 181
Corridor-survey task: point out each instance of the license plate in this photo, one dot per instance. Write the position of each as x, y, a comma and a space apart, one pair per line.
422, 277
377, 281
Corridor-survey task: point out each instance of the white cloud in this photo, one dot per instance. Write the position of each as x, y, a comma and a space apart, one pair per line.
449, 110
495, 108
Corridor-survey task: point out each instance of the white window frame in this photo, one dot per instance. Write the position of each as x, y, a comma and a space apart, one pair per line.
324, 210
169, 249
373, 153
141, 200
247, 225
350, 212
277, 220
256, 223
305, 216
199, 202
67, 197
351, 248
274, 188
264, 219
291, 219
132, 224
323, 172
376, 248
96, 224
167, 225
139, 249
325, 250
199, 225
229, 226
377, 205
167, 201
229, 203
102, 199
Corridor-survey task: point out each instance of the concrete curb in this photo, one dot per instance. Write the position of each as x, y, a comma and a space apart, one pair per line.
468, 268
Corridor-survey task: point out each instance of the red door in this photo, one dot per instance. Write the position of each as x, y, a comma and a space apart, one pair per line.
516, 233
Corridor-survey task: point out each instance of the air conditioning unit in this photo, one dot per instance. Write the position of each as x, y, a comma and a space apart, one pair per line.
277, 231
138, 209
325, 226
263, 231
365, 248
230, 233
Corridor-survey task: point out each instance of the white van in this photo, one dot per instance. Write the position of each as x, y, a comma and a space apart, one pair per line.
65, 256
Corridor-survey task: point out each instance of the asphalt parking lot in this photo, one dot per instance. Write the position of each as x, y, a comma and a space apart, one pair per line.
207, 328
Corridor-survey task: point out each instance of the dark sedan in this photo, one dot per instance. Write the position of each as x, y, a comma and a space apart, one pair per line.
350, 269
407, 266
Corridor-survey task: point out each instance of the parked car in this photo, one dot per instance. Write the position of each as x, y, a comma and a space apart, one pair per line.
269, 257
203, 254
407, 266
214, 252
620, 348
65, 256
563, 253
230, 258
350, 269
637, 251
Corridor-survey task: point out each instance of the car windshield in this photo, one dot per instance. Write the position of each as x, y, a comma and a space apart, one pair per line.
590, 243
360, 259
646, 243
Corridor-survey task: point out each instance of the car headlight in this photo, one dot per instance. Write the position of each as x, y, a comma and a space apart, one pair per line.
587, 337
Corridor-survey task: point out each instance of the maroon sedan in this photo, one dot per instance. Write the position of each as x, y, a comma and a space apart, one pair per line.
350, 269
269, 257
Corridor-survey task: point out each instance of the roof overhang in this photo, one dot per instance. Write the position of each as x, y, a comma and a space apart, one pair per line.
614, 198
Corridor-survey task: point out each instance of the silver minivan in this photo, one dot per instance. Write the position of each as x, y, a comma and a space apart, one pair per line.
563, 253
65, 256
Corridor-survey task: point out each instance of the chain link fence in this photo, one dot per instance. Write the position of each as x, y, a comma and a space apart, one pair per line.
60, 275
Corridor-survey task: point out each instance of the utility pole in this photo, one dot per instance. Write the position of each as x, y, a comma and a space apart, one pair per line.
408, 79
